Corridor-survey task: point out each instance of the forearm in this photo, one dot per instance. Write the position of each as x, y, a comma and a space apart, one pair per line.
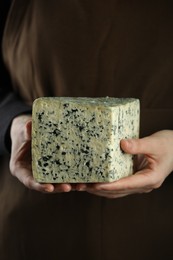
10, 104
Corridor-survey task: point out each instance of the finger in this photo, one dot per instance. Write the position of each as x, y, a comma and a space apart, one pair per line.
113, 187
120, 192
62, 187
146, 145
25, 177
28, 129
30, 183
95, 188
143, 180
81, 186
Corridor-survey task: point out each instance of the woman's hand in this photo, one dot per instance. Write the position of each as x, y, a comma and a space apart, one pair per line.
153, 163
20, 162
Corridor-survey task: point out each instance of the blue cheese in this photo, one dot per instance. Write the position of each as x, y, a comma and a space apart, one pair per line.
78, 139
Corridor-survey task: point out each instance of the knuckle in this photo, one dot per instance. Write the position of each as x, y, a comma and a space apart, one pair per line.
27, 182
12, 167
156, 183
148, 190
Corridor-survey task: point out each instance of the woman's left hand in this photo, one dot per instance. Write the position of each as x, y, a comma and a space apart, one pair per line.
153, 163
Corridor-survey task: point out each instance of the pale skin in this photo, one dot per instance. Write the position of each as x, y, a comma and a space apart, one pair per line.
153, 163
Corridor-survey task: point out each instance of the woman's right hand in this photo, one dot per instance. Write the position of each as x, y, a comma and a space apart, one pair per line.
20, 161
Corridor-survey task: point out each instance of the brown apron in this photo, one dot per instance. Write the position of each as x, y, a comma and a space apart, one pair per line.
90, 48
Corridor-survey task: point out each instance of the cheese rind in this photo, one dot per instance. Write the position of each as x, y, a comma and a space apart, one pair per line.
77, 140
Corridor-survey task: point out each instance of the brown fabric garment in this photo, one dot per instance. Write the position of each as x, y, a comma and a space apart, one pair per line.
94, 48
90, 48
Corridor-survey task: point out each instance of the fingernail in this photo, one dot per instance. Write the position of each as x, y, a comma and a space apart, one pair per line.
128, 142
67, 189
81, 188
49, 189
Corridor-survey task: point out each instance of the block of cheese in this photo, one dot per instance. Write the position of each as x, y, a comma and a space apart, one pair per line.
77, 140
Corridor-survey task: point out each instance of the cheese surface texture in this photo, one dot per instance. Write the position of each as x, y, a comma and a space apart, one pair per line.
78, 139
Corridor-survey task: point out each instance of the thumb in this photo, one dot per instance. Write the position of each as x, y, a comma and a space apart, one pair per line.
144, 145
28, 127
